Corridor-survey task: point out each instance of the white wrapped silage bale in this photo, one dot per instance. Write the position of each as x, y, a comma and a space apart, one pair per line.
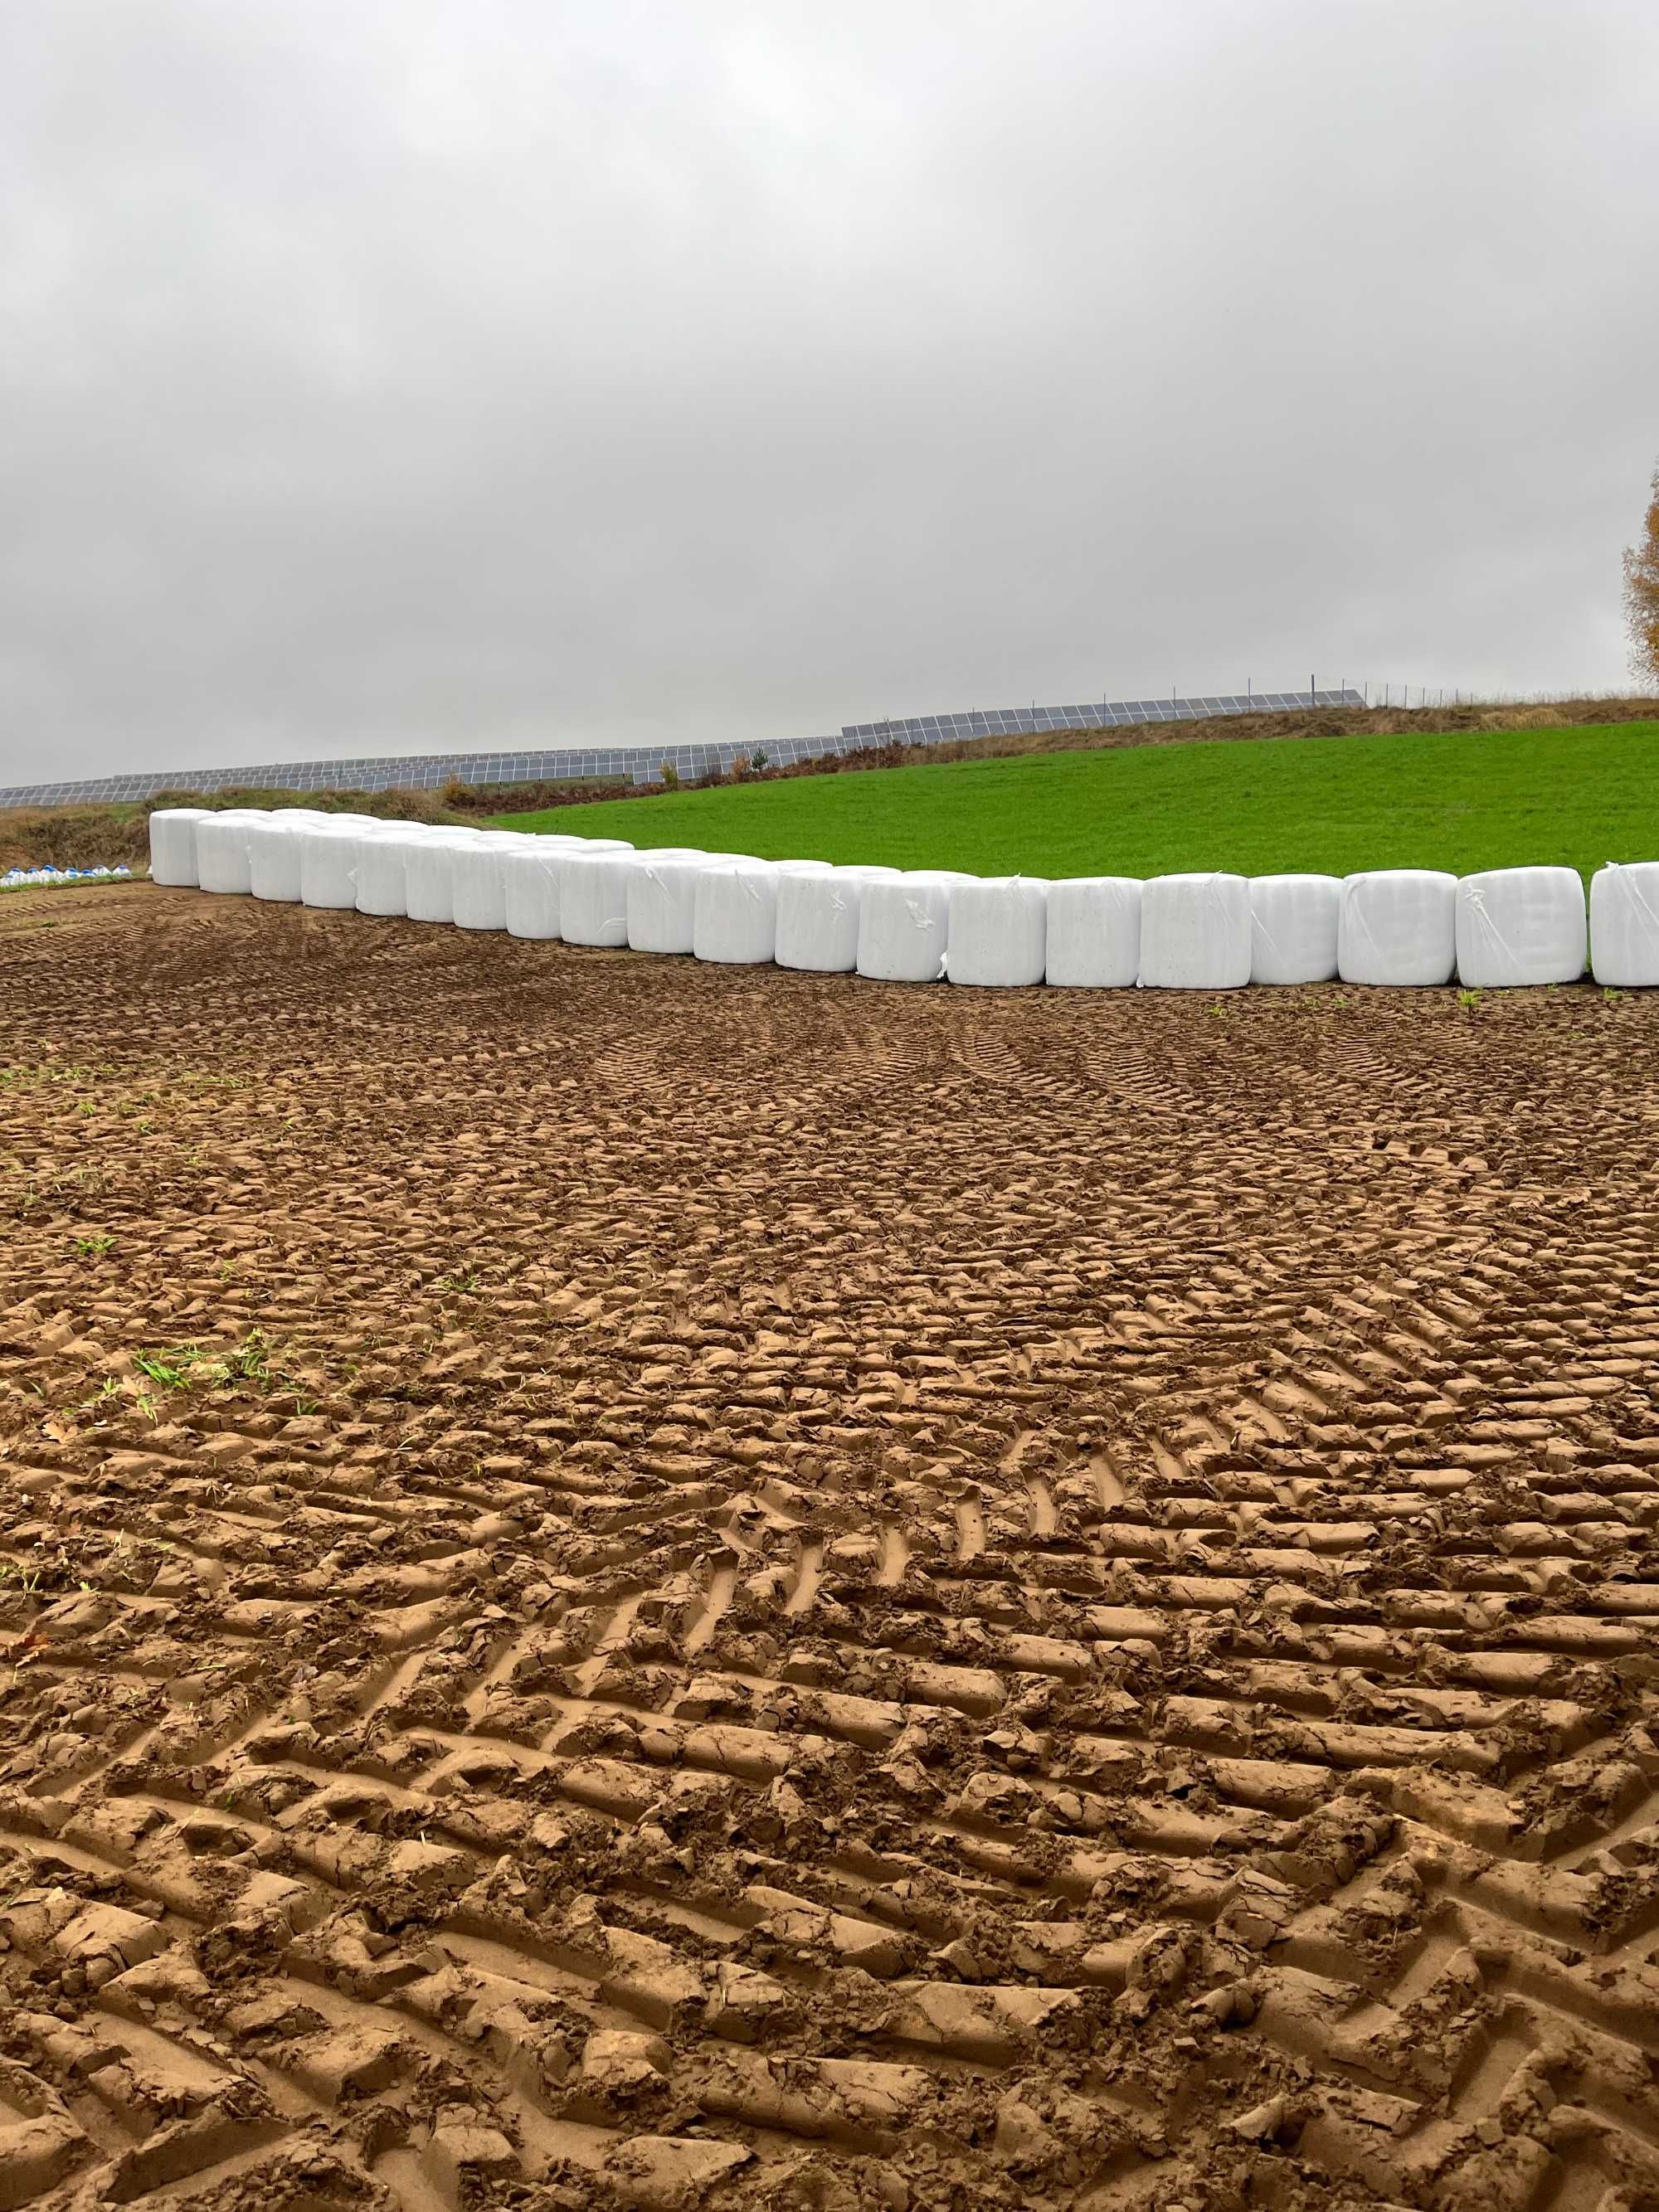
1397, 925
221, 854
274, 853
998, 930
479, 884
172, 843
593, 892
1520, 926
1196, 932
1293, 922
429, 873
530, 880
662, 896
818, 917
379, 864
734, 915
1624, 924
328, 858
904, 926
1094, 932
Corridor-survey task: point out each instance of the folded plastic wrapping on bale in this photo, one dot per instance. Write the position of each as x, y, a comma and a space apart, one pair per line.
662, 892
172, 844
735, 913
593, 892
530, 879
818, 917
1196, 932
1294, 924
221, 853
1624, 924
1094, 933
998, 930
328, 858
429, 874
1398, 926
1516, 926
904, 926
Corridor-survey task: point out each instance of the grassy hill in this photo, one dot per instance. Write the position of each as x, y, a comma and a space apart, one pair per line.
1459, 801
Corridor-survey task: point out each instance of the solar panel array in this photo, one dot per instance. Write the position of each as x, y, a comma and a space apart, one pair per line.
644, 764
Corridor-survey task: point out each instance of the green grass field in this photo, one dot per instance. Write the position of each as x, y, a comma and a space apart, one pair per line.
1464, 801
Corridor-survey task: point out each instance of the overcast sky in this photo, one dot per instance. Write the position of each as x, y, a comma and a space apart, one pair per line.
397, 375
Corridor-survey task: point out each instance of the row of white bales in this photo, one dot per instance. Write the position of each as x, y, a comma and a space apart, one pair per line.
1206, 932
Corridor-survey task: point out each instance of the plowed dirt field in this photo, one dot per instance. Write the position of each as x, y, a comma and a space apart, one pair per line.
632, 1584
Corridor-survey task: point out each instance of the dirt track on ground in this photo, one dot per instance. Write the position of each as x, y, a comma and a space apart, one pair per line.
812, 1595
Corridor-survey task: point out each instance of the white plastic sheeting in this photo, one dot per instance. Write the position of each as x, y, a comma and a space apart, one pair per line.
735, 913
377, 863
1196, 932
998, 930
429, 874
1094, 932
1294, 923
1521, 926
662, 898
1397, 925
593, 892
479, 884
273, 856
904, 926
221, 854
172, 844
530, 880
818, 917
328, 858
1624, 924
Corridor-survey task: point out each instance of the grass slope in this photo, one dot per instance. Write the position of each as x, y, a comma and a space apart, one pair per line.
1462, 801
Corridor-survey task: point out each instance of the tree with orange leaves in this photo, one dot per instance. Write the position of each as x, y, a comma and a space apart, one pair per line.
1641, 593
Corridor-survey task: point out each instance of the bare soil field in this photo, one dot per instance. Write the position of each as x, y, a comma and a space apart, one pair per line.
627, 1583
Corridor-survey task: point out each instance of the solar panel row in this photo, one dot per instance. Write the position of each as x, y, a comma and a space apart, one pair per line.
642, 764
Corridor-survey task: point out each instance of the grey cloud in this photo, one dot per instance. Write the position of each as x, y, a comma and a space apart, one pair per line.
398, 376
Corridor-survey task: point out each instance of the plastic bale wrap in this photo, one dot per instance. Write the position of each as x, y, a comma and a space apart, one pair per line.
172, 844
904, 926
1624, 924
273, 860
221, 849
429, 875
1398, 926
1293, 922
818, 917
328, 859
380, 862
478, 886
1196, 932
594, 895
735, 917
1517, 926
1094, 933
530, 881
998, 931
662, 898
